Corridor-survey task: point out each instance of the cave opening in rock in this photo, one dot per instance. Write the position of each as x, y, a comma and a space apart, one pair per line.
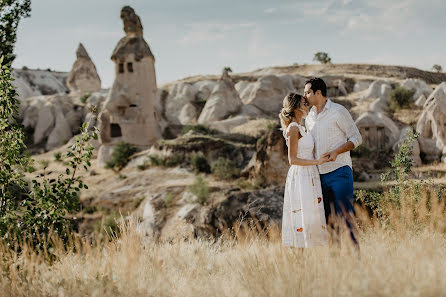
115, 130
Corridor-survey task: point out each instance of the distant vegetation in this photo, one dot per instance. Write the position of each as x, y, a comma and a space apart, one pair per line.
200, 189
322, 58
400, 98
437, 68
121, 155
225, 168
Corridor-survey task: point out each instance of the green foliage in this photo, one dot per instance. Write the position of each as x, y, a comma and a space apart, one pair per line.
199, 163
437, 68
400, 98
225, 168
199, 129
397, 177
11, 11
322, 58
121, 155
58, 156
85, 97
227, 69
168, 200
32, 212
200, 189
166, 161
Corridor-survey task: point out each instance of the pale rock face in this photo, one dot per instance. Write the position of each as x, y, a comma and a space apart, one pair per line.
227, 125
244, 90
432, 123
180, 95
83, 76
267, 94
187, 114
377, 130
61, 132
376, 90
361, 86
381, 104
416, 160
223, 101
252, 111
45, 123
419, 86
203, 89
421, 100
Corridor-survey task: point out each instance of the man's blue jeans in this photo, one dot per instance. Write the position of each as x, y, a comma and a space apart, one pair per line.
337, 191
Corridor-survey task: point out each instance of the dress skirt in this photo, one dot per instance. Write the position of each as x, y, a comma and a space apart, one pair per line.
303, 220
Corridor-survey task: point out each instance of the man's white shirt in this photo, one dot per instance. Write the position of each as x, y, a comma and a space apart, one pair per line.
332, 128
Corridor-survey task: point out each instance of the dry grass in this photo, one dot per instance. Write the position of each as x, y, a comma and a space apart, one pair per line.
406, 257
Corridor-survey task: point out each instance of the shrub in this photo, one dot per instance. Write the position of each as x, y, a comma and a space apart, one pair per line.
225, 168
85, 97
57, 156
199, 129
168, 161
200, 189
322, 58
199, 163
437, 68
121, 155
400, 98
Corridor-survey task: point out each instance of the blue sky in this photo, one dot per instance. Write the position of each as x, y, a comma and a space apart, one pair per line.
203, 36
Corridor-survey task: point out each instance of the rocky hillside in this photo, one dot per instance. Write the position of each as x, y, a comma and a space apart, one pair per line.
224, 129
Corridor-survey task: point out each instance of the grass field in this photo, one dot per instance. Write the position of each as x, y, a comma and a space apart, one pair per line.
405, 255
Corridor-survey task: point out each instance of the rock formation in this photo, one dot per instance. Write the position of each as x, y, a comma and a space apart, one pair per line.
129, 114
420, 87
378, 88
223, 101
404, 134
378, 131
83, 76
432, 124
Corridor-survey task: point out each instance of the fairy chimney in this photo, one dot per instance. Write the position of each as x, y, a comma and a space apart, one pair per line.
83, 76
129, 114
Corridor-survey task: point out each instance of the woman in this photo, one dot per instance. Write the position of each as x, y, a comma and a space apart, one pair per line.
303, 223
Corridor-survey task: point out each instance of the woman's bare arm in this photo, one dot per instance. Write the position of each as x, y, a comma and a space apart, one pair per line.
294, 136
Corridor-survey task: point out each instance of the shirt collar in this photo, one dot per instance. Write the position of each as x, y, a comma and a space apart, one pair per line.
328, 104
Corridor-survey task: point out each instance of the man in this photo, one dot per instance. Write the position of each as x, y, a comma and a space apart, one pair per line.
335, 135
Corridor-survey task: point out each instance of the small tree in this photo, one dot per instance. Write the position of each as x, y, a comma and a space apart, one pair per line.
227, 69
437, 68
11, 11
400, 98
322, 57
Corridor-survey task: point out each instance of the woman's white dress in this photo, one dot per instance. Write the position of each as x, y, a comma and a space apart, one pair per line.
303, 221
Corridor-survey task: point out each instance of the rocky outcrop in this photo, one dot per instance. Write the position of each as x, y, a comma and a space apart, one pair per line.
432, 125
377, 89
56, 118
420, 101
223, 101
378, 131
32, 83
267, 94
420, 87
270, 162
83, 76
180, 95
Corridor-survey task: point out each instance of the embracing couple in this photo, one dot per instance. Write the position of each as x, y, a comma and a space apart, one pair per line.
319, 184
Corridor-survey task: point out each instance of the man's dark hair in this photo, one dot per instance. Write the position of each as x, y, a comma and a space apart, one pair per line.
318, 83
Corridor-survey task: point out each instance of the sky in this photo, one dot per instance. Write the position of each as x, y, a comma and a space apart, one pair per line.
203, 36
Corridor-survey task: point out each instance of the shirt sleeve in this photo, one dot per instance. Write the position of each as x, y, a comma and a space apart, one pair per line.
348, 126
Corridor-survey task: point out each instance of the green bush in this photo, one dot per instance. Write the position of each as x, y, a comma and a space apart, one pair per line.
200, 189
224, 168
168, 200
400, 98
58, 156
167, 161
199, 129
121, 155
199, 163
85, 97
